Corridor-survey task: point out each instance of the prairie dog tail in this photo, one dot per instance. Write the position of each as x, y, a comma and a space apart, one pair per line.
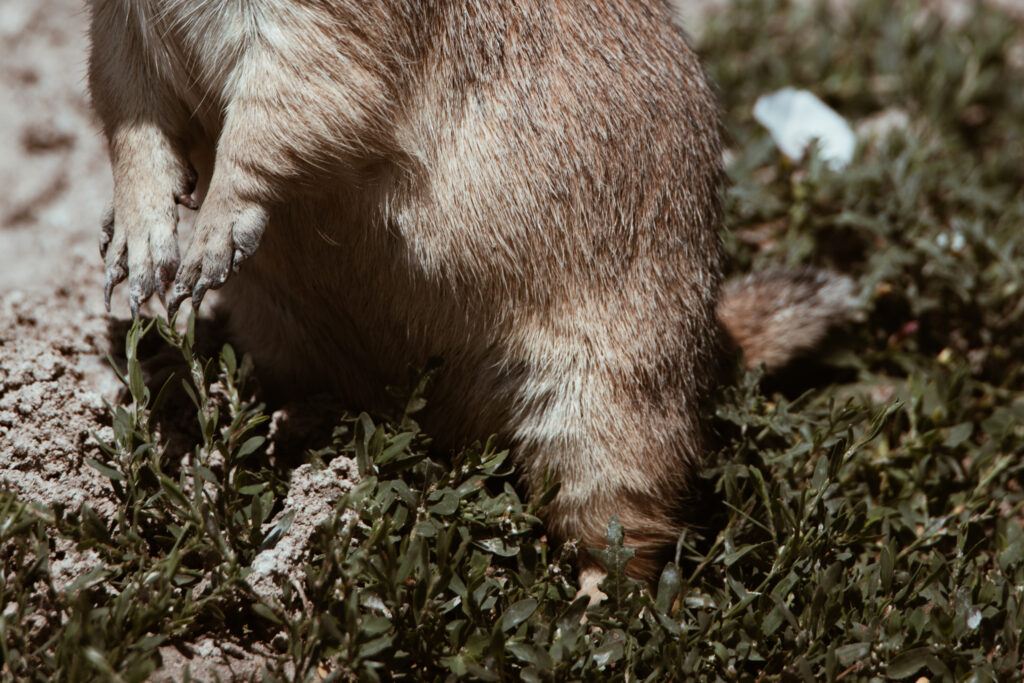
778, 315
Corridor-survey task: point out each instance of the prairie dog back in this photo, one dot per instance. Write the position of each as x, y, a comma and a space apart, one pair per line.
529, 190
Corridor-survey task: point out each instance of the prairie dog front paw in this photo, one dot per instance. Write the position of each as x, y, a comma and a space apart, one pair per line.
139, 238
227, 232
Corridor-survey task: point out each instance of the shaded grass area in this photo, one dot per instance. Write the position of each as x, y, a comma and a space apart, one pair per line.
868, 528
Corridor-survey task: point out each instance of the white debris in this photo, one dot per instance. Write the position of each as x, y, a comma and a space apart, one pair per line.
310, 502
796, 118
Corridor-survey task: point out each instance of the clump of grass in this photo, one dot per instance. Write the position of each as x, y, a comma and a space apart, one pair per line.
868, 529
25, 589
174, 558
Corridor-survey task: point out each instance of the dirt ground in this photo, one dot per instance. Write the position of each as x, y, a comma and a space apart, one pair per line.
54, 331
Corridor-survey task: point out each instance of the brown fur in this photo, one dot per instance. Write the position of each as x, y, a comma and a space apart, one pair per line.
778, 315
529, 190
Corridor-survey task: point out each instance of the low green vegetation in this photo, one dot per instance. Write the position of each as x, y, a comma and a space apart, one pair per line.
861, 520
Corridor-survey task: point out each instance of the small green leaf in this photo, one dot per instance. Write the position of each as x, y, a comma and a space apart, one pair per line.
227, 355
820, 477
855, 652
499, 546
250, 446
447, 505
375, 646
106, 471
958, 434
267, 613
395, 447
910, 662
518, 613
614, 558
668, 587
529, 654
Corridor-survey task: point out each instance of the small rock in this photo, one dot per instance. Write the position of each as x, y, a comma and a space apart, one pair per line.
207, 648
48, 367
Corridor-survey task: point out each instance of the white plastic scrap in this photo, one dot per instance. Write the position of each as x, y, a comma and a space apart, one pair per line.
795, 118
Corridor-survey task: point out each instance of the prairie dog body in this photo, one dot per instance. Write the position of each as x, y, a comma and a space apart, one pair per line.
529, 190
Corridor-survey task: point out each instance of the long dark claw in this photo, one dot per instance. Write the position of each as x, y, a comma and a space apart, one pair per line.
178, 294
198, 293
107, 291
137, 295
115, 276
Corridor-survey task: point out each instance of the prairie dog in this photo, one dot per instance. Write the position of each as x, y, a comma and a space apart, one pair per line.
529, 190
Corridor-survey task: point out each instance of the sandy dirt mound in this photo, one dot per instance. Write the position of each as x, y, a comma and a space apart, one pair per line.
52, 389
53, 330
